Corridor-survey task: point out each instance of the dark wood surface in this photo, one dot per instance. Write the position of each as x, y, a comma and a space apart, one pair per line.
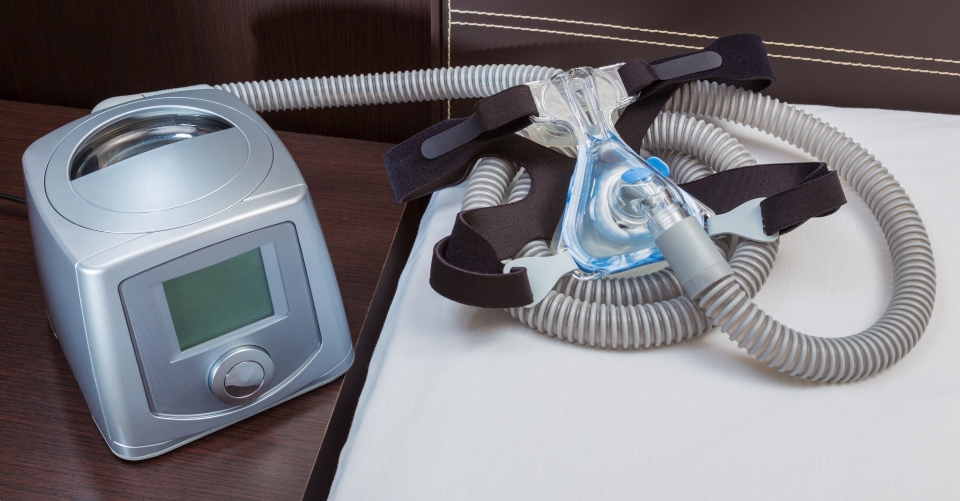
49, 445
79, 52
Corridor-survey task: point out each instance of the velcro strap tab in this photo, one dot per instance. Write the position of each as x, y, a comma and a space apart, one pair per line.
742, 62
639, 74
450, 139
688, 65
501, 110
440, 155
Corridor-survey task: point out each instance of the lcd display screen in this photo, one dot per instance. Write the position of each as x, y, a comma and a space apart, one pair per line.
218, 299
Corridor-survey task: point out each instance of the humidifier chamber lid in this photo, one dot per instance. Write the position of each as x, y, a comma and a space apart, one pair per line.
156, 164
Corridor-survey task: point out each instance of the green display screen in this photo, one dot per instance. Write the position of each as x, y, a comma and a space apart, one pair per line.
218, 299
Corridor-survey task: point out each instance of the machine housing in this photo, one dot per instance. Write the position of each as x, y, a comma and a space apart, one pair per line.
110, 242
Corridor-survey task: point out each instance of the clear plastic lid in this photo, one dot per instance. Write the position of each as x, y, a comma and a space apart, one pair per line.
133, 136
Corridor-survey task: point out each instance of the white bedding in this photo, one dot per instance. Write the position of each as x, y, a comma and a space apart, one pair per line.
464, 403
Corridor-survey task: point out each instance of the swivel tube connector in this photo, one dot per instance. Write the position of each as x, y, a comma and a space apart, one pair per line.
693, 256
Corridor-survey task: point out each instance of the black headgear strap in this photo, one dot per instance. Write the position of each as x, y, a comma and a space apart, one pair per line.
467, 265
413, 175
745, 65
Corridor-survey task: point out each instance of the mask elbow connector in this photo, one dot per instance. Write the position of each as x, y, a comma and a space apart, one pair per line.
692, 255
644, 198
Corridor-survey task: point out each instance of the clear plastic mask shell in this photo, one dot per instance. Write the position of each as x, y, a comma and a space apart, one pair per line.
615, 196
552, 129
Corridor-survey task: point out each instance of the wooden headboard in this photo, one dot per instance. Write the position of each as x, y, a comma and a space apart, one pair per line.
79, 52
877, 54
880, 53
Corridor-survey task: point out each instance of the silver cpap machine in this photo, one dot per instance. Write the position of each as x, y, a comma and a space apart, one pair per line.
183, 267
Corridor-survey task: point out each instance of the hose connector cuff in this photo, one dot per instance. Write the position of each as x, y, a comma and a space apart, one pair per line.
693, 256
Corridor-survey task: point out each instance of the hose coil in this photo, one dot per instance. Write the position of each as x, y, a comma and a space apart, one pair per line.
650, 310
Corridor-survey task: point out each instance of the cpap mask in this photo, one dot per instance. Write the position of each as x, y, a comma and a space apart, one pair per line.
619, 202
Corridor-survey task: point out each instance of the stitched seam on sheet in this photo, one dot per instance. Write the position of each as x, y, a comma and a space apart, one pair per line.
697, 35
665, 44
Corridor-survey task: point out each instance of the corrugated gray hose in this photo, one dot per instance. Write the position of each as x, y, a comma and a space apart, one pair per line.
384, 88
651, 310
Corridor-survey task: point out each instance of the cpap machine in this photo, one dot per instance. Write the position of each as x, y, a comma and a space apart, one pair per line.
183, 267
187, 279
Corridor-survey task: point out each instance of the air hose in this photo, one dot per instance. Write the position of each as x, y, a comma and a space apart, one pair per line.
652, 310
384, 88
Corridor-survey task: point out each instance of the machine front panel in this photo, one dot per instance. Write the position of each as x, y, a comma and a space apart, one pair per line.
247, 293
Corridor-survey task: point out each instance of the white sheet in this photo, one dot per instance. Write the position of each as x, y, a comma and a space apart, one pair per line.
464, 403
